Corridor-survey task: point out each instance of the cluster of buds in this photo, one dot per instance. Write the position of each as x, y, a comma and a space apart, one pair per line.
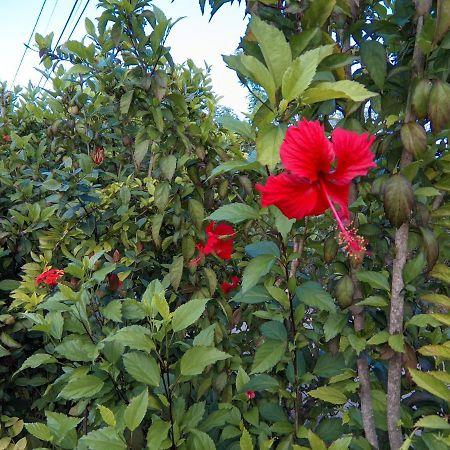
98, 155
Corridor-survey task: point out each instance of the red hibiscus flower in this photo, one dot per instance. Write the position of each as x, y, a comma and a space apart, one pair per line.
318, 176
114, 282
227, 287
7, 138
50, 277
250, 395
219, 241
98, 155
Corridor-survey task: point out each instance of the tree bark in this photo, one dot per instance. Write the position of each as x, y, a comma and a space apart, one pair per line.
397, 284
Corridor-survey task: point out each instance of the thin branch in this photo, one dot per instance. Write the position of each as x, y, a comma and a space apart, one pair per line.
397, 292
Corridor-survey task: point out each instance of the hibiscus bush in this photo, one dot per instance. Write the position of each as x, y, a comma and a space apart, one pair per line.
173, 277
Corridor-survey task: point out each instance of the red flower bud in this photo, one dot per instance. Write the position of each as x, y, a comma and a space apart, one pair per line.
250, 395
7, 138
98, 155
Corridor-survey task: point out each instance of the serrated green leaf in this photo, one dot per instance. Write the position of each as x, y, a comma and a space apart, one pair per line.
142, 368
136, 410
329, 394
234, 213
188, 314
255, 269
195, 360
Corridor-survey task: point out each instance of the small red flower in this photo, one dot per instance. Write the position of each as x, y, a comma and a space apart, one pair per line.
98, 155
7, 138
250, 395
227, 287
50, 277
219, 241
318, 176
114, 282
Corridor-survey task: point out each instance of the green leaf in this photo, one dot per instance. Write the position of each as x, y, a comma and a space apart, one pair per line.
199, 440
176, 271
113, 311
300, 73
315, 441
196, 359
329, 365
374, 300
125, 102
142, 368
107, 415
140, 150
414, 267
317, 13
104, 439
274, 330
242, 379
136, 410
431, 384
193, 416
234, 213
435, 422
83, 387
60, 424
255, 269
329, 394
312, 294
245, 442
100, 274
396, 342
36, 360
9, 285
439, 351
205, 337
441, 272
373, 56
134, 336
39, 430
268, 355
168, 164
237, 126
329, 90
262, 248
357, 343
157, 434
379, 338
255, 295
342, 443
188, 313
260, 382
258, 73
376, 280
268, 144
334, 324
274, 47
437, 299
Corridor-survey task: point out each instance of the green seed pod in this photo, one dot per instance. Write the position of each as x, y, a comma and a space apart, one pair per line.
223, 188
414, 138
344, 292
398, 199
420, 97
439, 106
330, 249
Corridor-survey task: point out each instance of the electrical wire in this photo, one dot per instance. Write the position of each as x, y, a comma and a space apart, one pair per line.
51, 16
79, 18
27, 46
60, 36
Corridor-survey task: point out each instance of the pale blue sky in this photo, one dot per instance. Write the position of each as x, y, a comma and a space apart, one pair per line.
194, 37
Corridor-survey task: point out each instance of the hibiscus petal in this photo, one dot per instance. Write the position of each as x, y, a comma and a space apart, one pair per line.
339, 195
223, 229
305, 151
353, 155
293, 196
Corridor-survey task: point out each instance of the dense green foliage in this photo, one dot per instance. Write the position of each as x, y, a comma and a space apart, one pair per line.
137, 346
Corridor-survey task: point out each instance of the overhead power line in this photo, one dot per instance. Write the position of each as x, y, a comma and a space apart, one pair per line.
61, 34
79, 18
51, 16
27, 46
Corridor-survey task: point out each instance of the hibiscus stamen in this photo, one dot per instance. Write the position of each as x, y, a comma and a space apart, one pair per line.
353, 244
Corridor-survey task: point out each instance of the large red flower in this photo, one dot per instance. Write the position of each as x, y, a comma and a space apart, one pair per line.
219, 241
318, 175
227, 286
50, 277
